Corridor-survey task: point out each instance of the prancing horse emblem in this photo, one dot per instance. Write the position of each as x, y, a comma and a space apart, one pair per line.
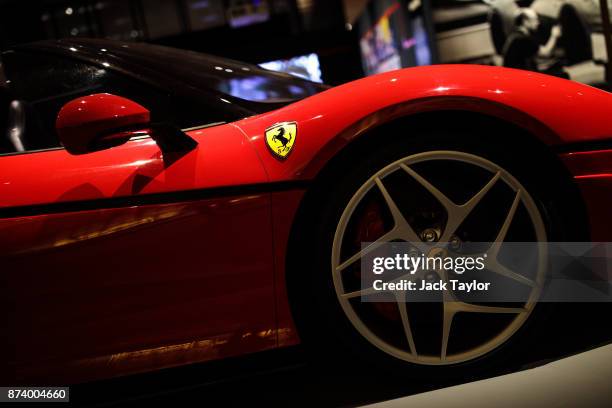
280, 138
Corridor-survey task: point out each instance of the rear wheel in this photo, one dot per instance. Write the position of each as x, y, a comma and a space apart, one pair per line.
429, 189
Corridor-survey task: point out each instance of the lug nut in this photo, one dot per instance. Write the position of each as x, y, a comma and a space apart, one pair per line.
455, 243
429, 235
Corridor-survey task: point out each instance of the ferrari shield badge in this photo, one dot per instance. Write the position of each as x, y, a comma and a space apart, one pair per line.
280, 138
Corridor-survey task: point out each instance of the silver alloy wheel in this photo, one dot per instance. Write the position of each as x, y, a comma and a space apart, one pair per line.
456, 214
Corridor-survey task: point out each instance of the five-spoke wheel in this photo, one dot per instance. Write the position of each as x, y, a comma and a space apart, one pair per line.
436, 196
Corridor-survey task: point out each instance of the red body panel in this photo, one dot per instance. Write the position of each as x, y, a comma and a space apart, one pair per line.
556, 110
284, 208
98, 293
592, 172
170, 280
223, 158
108, 292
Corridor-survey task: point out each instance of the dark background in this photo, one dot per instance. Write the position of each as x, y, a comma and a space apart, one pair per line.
295, 27
459, 31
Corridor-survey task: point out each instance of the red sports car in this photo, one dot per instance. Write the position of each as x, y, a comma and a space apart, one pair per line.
161, 207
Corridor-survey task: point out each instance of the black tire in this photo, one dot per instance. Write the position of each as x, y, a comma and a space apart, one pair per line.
323, 327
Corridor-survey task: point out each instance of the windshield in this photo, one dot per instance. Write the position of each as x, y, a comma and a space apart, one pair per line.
236, 79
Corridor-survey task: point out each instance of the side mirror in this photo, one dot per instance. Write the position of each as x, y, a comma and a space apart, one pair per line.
99, 121
103, 120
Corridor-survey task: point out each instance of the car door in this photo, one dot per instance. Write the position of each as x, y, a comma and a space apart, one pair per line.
121, 261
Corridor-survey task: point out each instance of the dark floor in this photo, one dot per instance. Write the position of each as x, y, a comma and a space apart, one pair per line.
285, 377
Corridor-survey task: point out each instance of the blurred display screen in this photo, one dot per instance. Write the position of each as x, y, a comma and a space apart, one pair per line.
303, 66
116, 20
392, 37
205, 14
246, 12
263, 89
162, 18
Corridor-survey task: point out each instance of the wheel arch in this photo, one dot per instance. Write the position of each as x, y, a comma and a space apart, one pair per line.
421, 113
535, 138
320, 185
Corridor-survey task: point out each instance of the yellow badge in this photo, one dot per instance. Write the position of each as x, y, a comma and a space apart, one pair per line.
280, 138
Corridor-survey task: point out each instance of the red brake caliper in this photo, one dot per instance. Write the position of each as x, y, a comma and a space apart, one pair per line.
369, 228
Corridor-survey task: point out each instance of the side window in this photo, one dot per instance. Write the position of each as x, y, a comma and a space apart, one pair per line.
40, 84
